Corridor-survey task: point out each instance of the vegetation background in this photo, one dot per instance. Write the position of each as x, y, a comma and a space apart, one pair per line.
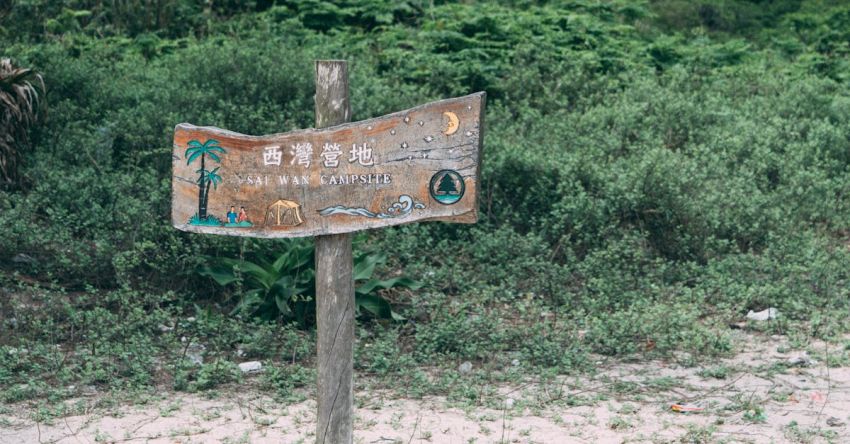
653, 171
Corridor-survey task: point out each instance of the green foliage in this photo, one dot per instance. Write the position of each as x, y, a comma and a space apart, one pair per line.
283, 380
652, 171
87, 324
22, 105
215, 374
281, 285
210, 220
284, 285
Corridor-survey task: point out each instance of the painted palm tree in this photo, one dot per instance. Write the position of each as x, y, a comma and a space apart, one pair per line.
195, 150
205, 180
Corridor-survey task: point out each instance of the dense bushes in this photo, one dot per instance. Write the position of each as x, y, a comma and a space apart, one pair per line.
631, 170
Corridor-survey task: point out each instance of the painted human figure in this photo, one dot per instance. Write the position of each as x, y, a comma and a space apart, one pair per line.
243, 216
231, 215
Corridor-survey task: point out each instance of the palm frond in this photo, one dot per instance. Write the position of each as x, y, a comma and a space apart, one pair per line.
21, 107
196, 149
195, 154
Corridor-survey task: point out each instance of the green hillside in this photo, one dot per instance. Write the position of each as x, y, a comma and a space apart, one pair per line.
653, 170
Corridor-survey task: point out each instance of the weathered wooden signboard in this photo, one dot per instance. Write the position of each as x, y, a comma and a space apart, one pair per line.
414, 165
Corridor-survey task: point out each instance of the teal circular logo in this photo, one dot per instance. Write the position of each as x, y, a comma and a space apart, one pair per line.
447, 187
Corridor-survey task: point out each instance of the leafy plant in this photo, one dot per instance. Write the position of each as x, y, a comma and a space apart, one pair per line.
21, 106
210, 220
284, 285
755, 415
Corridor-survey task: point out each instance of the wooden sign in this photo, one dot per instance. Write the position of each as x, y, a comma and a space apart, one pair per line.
414, 165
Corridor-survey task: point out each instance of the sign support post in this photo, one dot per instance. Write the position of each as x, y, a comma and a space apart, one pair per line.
419, 164
334, 284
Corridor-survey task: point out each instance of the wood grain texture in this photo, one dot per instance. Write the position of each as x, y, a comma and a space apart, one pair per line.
335, 338
348, 193
334, 286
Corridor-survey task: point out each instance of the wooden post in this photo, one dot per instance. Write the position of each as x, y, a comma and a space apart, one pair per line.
419, 164
334, 284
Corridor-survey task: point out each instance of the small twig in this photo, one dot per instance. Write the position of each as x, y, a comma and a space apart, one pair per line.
723, 387
828, 383
152, 437
415, 426
504, 416
742, 433
145, 422
250, 416
68, 426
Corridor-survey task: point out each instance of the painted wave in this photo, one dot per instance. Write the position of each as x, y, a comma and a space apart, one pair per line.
403, 207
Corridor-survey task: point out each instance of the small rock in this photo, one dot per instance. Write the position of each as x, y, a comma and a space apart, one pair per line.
195, 353
835, 422
239, 352
165, 328
23, 258
803, 360
250, 366
190, 319
466, 367
509, 403
515, 363
764, 315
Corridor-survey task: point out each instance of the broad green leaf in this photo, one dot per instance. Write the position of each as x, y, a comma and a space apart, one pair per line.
282, 303
374, 304
259, 274
249, 303
281, 261
376, 284
365, 265
222, 275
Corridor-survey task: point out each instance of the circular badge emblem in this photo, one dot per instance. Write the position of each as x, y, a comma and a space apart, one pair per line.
447, 187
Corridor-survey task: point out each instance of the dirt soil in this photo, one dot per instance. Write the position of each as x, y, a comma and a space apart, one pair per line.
757, 396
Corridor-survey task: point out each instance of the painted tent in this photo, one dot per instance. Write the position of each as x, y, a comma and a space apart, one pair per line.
284, 213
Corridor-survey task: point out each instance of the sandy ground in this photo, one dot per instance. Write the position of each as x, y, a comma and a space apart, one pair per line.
756, 396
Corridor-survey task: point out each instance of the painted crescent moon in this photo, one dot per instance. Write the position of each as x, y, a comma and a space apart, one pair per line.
454, 123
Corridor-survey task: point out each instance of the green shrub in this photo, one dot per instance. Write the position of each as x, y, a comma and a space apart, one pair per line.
214, 374
284, 285
285, 379
651, 171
